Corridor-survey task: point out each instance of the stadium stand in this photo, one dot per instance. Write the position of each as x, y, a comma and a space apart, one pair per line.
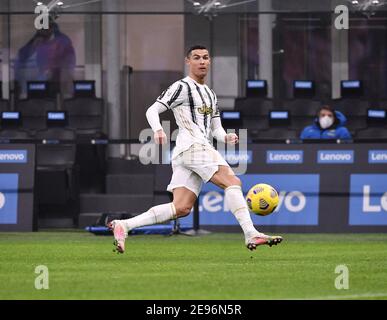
4, 105
50, 154
356, 123
255, 123
34, 112
57, 175
9, 133
298, 123
302, 107
129, 188
255, 116
275, 133
85, 115
351, 107
253, 106
372, 133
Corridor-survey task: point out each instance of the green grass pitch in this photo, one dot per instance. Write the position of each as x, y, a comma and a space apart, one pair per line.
216, 266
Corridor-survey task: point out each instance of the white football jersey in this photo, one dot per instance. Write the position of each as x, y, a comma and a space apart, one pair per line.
193, 105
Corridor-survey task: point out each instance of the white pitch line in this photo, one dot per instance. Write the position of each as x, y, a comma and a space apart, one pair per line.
353, 296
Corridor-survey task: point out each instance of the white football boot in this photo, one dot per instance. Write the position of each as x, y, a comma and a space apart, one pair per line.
262, 239
120, 235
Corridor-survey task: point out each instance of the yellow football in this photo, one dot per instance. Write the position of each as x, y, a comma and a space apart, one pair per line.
262, 199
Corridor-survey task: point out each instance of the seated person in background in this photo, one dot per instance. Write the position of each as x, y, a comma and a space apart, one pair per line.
48, 56
329, 124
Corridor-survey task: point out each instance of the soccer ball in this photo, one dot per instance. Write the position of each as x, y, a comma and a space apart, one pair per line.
262, 199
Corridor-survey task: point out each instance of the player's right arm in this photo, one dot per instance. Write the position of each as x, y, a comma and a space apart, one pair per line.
169, 99
152, 115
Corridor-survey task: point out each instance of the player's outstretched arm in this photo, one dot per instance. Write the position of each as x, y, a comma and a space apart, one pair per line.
152, 115
219, 134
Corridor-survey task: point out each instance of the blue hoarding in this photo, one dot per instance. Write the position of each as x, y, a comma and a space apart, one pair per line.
8, 198
298, 200
368, 199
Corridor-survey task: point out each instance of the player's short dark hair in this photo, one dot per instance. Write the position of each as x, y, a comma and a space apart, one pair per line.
195, 47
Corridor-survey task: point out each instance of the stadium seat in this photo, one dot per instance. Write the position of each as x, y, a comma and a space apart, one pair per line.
56, 154
34, 112
13, 134
85, 114
85, 117
253, 106
379, 104
372, 133
351, 107
299, 123
162, 175
276, 133
252, 123
4, 105
302, 107
355, 123
57, 175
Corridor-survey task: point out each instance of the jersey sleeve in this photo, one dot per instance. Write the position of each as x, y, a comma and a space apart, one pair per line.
217, 129
152, 115
173, 96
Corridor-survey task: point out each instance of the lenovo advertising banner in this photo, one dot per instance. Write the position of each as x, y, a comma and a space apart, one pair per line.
17, 174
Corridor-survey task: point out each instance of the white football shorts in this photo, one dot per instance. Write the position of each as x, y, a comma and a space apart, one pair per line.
196, 165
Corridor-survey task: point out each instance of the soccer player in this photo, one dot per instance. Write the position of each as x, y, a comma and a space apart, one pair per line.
194, 159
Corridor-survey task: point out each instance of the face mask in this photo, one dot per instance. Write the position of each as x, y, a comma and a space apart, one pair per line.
325, 122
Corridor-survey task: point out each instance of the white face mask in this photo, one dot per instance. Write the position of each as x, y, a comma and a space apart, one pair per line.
325, 122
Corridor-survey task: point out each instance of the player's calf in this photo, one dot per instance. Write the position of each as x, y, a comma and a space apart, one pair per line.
182, 211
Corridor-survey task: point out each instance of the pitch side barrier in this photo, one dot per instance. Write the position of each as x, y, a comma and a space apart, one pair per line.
324, 186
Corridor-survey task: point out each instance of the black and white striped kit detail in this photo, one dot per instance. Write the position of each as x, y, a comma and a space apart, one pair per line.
175, 95
204, 104
191, 102
216, 105
212, 104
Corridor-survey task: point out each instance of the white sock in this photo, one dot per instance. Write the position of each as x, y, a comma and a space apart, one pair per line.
237, 204
155, 215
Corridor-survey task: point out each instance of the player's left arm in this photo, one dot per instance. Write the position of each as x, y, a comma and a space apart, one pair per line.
220, 134
217, 129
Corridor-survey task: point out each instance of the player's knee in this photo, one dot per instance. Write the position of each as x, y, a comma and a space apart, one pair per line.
233, 181
237, 181
182, 210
